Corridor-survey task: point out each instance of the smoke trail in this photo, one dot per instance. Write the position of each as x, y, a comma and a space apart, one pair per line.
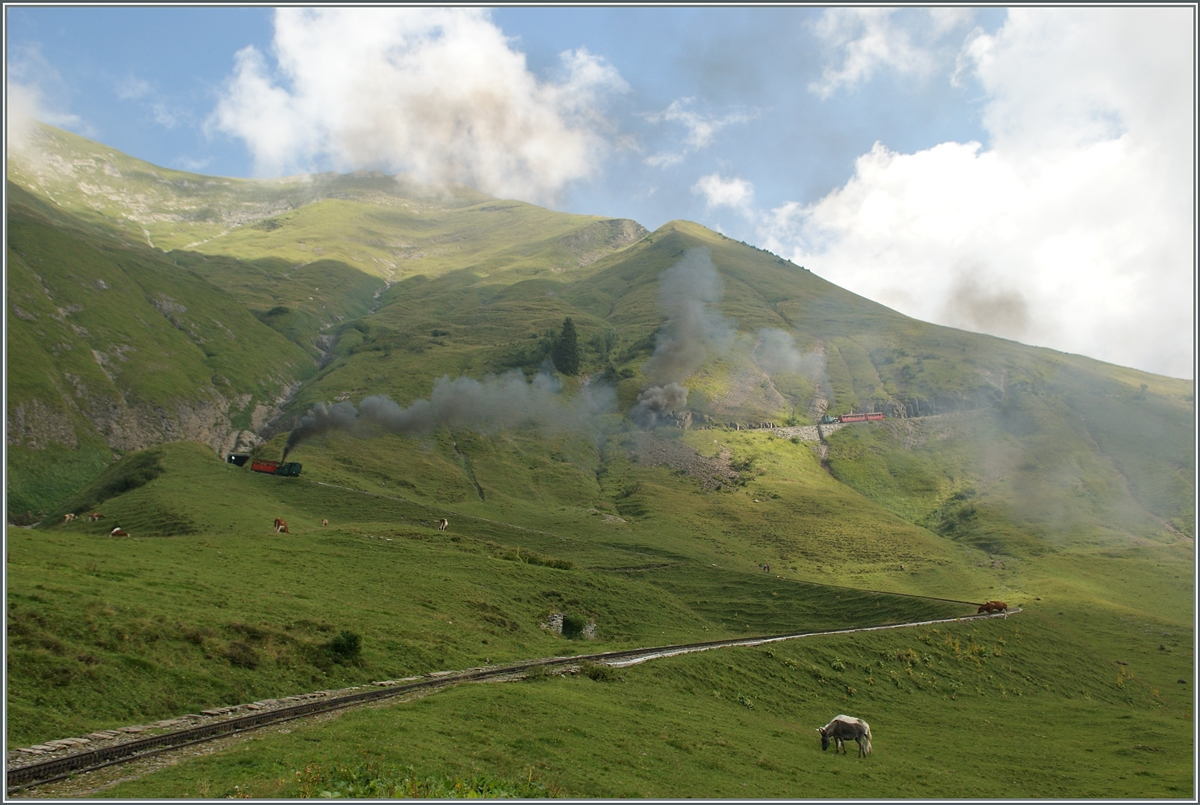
693, 330
504, 401
776, 354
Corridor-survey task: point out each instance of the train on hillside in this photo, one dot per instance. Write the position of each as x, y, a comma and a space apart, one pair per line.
847, 418
289, 469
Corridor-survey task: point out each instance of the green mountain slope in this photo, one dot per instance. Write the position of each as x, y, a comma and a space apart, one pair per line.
112, 348
384, 226
1058, 483
1008, 448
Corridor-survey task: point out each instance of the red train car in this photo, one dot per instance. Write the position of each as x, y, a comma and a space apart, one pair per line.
844, 418
291, 468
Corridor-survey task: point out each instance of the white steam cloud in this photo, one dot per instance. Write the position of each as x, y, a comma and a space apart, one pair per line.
776, 354
694, 329
434, 92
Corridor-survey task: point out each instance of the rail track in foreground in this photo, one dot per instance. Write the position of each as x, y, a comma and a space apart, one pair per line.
41, 772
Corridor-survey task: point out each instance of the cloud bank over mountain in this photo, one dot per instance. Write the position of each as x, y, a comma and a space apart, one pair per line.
1023, 172
1071, 228
437, 93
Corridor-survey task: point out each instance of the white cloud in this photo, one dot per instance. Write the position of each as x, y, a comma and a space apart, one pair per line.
192, 164
867, 39
132, 88
20, 112
1072, 229
435, 92
719, 192
165, 115
701, 129
27, 78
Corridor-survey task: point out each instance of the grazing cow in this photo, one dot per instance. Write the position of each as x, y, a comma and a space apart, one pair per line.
993, 606
281, 526
94, 516
68, 518
443, 524
324, 522
845, 727
117, 532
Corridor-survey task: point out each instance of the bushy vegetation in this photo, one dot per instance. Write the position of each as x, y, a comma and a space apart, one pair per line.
573, 626
125, 476
346, 646
370, 780
566, 349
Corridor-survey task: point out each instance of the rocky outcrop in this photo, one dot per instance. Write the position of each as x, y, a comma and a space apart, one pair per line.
602, 238
751, 393
36, 426
125, 427
712, 473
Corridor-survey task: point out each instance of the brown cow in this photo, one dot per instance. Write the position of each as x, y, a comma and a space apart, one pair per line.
443, 524
68, 518
324, 522
281, 526
993, 606
117, 532
94, 516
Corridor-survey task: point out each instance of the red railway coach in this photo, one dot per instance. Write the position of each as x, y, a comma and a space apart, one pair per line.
845, 418
290, 468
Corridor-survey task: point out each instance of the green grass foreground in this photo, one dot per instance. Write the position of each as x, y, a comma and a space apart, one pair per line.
108, 632
1025, 707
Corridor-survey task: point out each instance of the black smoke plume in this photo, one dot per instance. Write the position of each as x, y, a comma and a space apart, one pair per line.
494, 402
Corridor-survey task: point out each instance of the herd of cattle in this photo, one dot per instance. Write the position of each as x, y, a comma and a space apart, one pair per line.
94, 517
281, 526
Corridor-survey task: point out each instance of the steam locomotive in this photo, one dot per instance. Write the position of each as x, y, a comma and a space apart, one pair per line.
290, 469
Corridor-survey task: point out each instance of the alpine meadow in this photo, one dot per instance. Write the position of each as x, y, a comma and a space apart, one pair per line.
634, 439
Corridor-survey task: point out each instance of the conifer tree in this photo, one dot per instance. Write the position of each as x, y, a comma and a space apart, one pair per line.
566, 349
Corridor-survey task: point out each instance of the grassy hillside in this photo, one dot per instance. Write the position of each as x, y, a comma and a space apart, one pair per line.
114, 348
158, 318
182, 615
1010, 449
225, 612
954, 712
384, 226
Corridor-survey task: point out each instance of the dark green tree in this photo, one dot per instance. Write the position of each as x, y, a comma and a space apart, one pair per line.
566, 349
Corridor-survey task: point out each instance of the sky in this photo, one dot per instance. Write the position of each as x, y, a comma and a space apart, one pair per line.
1027, 172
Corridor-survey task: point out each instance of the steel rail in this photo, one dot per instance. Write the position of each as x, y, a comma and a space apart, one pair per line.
54, 769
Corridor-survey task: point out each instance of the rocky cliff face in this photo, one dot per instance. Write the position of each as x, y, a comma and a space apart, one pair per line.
35, 425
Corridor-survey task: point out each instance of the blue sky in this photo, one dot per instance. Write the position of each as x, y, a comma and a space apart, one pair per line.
1027, 173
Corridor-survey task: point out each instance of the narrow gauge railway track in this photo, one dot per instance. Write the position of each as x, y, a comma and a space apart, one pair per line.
54, 769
